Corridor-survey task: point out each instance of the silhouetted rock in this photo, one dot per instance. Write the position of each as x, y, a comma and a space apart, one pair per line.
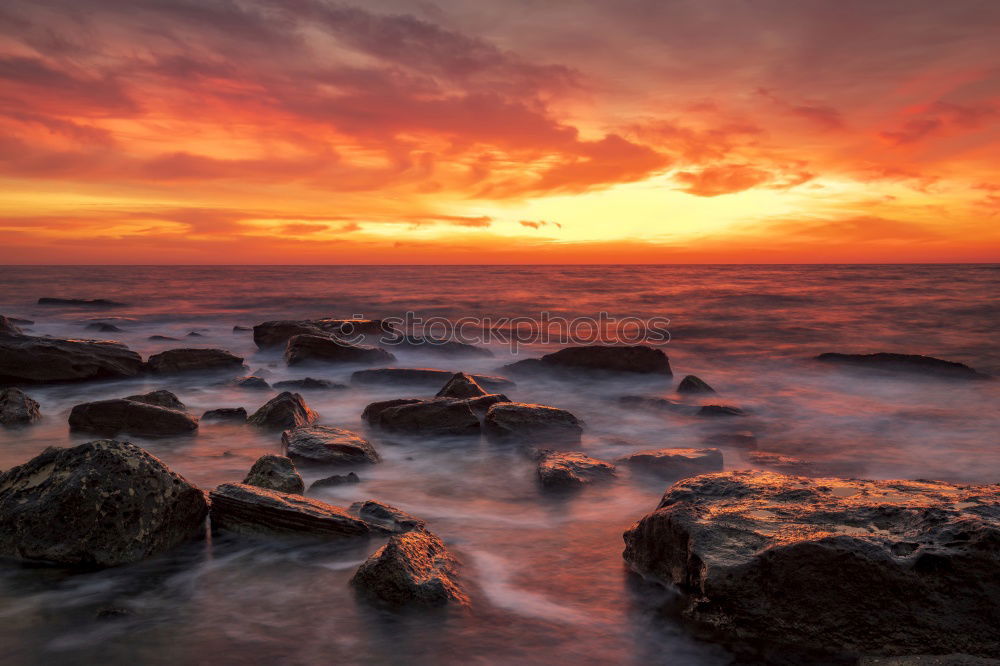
161, 398
285, 410
639, 359
195, 334
571, 469
328, 349
386, 517
9, 327
118, 415
694, 385
715, 411
329, 446
163, 338
17, 408
33, 360
248, 510
426, 417
526, 422
226, 414
675, 463
193, 360
103, 327
412, 568
278, 333
275, 473
89, 302
841, 567
335, 480
102, 503
461, 386
251, 382
309, 384
424, 377
927, 366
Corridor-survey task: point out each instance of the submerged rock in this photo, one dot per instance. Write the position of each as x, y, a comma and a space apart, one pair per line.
427, 377
102, 503
371, 413
441, 416
251, 382
225, 414
278, 333
831, 566
653, 403
640, 359
161, 398
335, 480
714, 411
17, 408
243, 509
412, 568
110, 417
328, 349
33, 360
571, 469
275, 473
386, 517
742, 439
308, 384
904, 364
694, 385
89, 302
241, 329
527, 422
328, 446
193, 360
437, 346
103, 327
9, 327
461, 386
285, 410
675, 463
162, 338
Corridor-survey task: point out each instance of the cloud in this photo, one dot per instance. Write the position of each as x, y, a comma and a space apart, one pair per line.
940, 118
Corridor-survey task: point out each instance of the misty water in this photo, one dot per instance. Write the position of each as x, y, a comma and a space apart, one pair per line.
544, 571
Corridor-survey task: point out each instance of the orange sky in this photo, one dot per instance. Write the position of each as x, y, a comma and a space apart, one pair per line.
502, 131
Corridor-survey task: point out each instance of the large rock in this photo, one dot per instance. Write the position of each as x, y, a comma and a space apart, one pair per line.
285, 410
328, 446
308, 384
441, 416
275, 473
675, 463
904, 364
639, 359
412, 568
831, 565
461, 386
192, 360
102, 503
243, 509
373, 411
329, 349
423, 377
9, 327
531, 423
386, 517
26, 359
572, 469
118, 415
17, 408
481, 404
334, 481
693, 385
161, 398
238, 414
278, 333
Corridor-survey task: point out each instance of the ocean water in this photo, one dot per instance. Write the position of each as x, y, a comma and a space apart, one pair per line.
544, 571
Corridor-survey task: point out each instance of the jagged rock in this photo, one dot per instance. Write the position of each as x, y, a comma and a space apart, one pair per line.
461, 386
715, 411
335, 480
640, 359
251, 382
386, 517
91, 302
33, 360
102, 503
285, 410
412, 568
328, 349
371, 413
275, 473
110, 417
308, 384
840, 567
161, 398
571, 469
437, 346
9, 327
424, 377
329, 446
191, 360
243, 509
904, 364
675, 463
226, 414
694, 385
103, 327
426, 417
526, 422
17, 408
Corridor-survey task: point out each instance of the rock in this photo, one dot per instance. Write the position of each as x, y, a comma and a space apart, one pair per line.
640, 359
386, 517
275, 473
743, 439
904, 364
195, 334
328, 446
335, 480
571, 469
309, 384
675, 463
461, 386
328, 349
655, 404
33, 360
89, 302
831, 566
103, 327
525, 422
278, 333
786, 464
243, 509
109, 417
715, 411
481, 405
437, 346
102, 503
427, 417
412, 568
9, 327
251, 382
17, 408
241, 329
161, 398
21, 322
694, 385
371, 413
114, 613
191, 360
226, 414
285, 410
428, 377
163, 338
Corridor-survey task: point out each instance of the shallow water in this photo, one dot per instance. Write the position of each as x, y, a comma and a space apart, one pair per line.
545, 572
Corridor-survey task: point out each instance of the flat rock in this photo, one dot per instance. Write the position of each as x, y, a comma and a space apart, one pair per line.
528, 422
103, 327
329, 349
412, 568
371, 413
161, 398
285, 410
275, 473
34, 360
248, 510
675, 463
831, 566
17, 408
693, 385
88, 302
640, 359
102, 503
309, 384
913, 364
442, 416
193, 360
427, 377
118, 415
329, 446
334, 481
386, 517
226, 414
571, 469
461, 386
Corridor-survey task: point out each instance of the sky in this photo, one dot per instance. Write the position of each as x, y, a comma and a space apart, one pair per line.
499, 131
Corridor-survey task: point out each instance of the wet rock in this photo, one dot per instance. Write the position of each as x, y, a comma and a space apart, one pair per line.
162, 338
248, 510
328, 446
716, 411
275, 473
694, 385
17, 408
424, 377
195, 334
309, 384
110, 417
33, 360
285, 410
527, 422
371, 413
675, 463
437, 346
914, 364
335, 480
161, 398
226, 414
427, 417
412, 568
114, 613
251, 382
103, 327
655, 404
786, 464
192, 360
571, 469
89, 302
639, 359
461, 386
9, 327
743, 439
832, 566
386, 517
102, 503
481, 404
278, 333
241, 329
328, 349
